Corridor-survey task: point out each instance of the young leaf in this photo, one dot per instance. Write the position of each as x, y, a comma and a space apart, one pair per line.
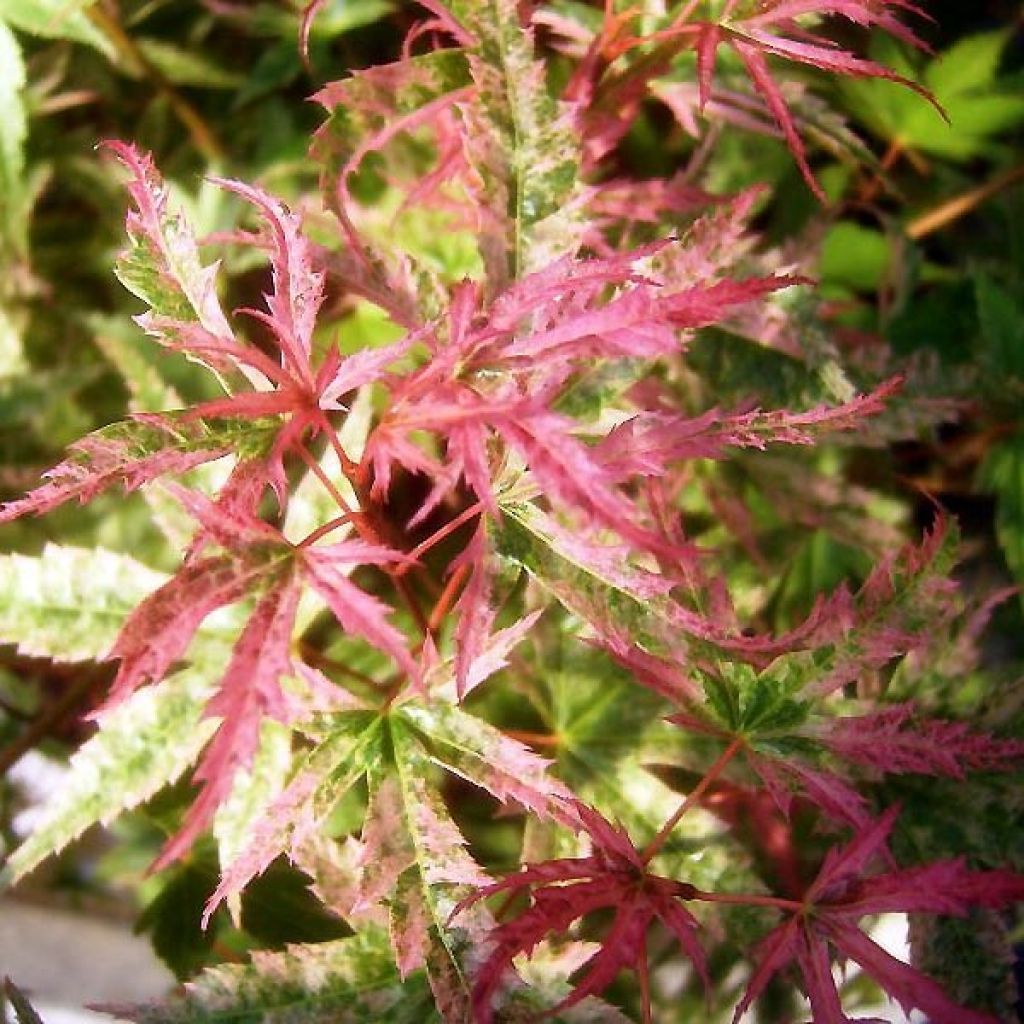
845, 891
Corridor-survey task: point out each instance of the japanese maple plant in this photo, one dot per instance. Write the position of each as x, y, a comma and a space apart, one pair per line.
521, 545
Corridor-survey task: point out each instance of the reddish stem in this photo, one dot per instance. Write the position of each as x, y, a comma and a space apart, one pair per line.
348, 467
317, 658
445, 531
533, 739
448, 597
368, 534
322, 531
748, 899
644, 977
318, 472
695, 794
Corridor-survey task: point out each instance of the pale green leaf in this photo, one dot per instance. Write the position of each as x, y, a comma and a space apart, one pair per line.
970, 64
12, 351
442, 873
69, 603
13, 130
142, 745
964, 81
184, 67
1003, 474
337, 17
56, 19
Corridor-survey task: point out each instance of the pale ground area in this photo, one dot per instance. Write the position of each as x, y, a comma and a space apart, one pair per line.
62, 961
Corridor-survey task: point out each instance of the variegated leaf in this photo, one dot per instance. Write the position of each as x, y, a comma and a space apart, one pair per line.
69, 603
348, 981
524, 146
481, 754
142, 745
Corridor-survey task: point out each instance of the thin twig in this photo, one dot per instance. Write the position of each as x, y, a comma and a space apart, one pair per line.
695, 794
447, 598
963, 204
644, 977
748, 900
50, 717
202, 134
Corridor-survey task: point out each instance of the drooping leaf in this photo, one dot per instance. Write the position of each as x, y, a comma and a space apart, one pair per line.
56, 19
616, 601
13, 130
142, 745
349, 747
135, 452
438, 874
481, 754
248, 694
253, 790
69, 603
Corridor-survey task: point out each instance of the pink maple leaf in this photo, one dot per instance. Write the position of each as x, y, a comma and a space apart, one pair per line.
606, 96
845, 891
614, 876
131, 454
893, 739
291, 383
250, 558
249, 692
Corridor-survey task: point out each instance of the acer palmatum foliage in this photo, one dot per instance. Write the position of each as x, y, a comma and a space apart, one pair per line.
563, 451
